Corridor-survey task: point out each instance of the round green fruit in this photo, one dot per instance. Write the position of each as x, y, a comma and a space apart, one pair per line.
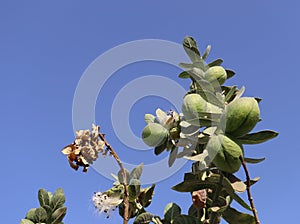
154, 134
195, 108
216, 73
240, 116
224, 153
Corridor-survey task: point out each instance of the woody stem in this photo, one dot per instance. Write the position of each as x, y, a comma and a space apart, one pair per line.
248, 184
126, 195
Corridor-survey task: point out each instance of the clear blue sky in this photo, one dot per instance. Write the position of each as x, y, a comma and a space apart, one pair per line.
45, 46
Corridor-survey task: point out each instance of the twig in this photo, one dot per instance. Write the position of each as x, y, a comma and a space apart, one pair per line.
250, 198
215, 217
126, 195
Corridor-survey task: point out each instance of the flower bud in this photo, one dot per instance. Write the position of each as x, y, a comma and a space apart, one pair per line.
154, 134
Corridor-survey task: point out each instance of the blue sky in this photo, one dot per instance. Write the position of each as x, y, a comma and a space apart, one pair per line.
45, 47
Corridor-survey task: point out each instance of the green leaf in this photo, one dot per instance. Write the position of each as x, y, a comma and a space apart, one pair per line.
210, 97
137, 172
230, 73
229, 189
190, 185
239, 93
156, 220
26, 221
48, 209
59, 191
146, 195
172, 210
133, 211
193, 211
254, 161
186, 65
50, 195
223, 203
184, 75
258, 99
40, 215
239, 200
134, 189
143, 218
120, 176
206, 53
58, 199
31, 215
149, 118
230, 93
258, 137
193, 182
253, 181
191, 48
173, 156
186, 219
159, 149
58, 215
115, 177
43, 197
216, 62
233, 216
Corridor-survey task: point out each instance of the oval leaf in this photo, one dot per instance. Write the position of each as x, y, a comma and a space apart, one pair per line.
233, 216
254, 161
121, 178
31, 215
159, 149
216, 62
146, 195
173, 156
58, 215
26, 221
134, 189
184, 75
57, 200
171, 211
143, 218
137, 172
258, 137
43, 197
40, 215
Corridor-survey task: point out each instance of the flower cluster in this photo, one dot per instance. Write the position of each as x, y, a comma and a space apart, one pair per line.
89, 143
85, 149
105, 203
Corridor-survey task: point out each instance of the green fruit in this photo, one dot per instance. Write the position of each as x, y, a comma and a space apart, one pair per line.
154, 134
224, 153
216, 73
195, 109
240, 116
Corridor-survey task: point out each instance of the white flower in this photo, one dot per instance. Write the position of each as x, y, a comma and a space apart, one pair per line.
89, 143
104, 203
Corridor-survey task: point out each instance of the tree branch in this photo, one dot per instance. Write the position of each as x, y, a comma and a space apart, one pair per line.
248, 183
126, 195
